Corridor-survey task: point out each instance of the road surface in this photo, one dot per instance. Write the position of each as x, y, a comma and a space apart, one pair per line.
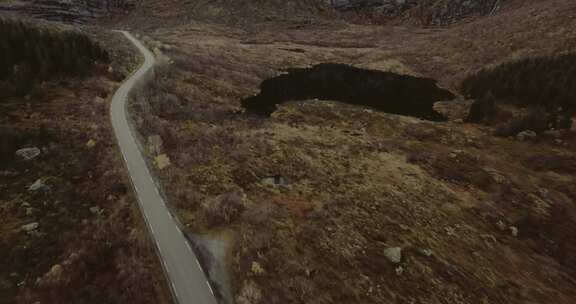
186, 277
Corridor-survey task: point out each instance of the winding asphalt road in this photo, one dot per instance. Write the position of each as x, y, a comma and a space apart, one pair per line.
187, 279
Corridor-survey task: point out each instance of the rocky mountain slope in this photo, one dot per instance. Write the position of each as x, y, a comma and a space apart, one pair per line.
66, 11
425, 12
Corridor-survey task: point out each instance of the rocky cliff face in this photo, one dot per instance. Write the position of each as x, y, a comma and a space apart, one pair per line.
428, 12
68, 11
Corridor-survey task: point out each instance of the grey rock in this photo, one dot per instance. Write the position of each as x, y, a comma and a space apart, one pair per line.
274, 181
427, 252
91, 143
30, 227
393, 254
95, 210
99, 100
514, 231
527, 135
27, 154
39, 185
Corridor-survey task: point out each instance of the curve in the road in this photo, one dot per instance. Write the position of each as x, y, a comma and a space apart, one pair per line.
187, 279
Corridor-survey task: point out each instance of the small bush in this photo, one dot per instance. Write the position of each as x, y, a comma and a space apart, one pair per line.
224, 208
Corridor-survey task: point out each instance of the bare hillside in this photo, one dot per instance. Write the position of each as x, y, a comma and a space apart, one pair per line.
327, 197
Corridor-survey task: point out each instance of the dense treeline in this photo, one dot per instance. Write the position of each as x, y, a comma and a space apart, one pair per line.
544, 82
30, 54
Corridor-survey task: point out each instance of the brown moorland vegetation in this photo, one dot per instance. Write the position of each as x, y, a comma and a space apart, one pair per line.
70, 229
315, 196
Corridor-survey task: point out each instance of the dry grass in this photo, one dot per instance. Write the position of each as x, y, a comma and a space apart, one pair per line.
358, 181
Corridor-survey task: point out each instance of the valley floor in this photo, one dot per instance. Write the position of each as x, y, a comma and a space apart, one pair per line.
331, 203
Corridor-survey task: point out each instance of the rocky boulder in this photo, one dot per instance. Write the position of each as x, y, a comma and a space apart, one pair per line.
30, 227
393, 254
527, 135
27, 154
39, 186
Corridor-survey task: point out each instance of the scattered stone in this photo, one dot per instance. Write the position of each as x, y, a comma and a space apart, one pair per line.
27, 154
393, 254
451, 231
275, 181
99, 100
162, 161
527, 135
404, 227
96, 210
29, 211
30, 227
39, 185
155, 144
399, 270
55, 272
427, 252
514, 231
91, 143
